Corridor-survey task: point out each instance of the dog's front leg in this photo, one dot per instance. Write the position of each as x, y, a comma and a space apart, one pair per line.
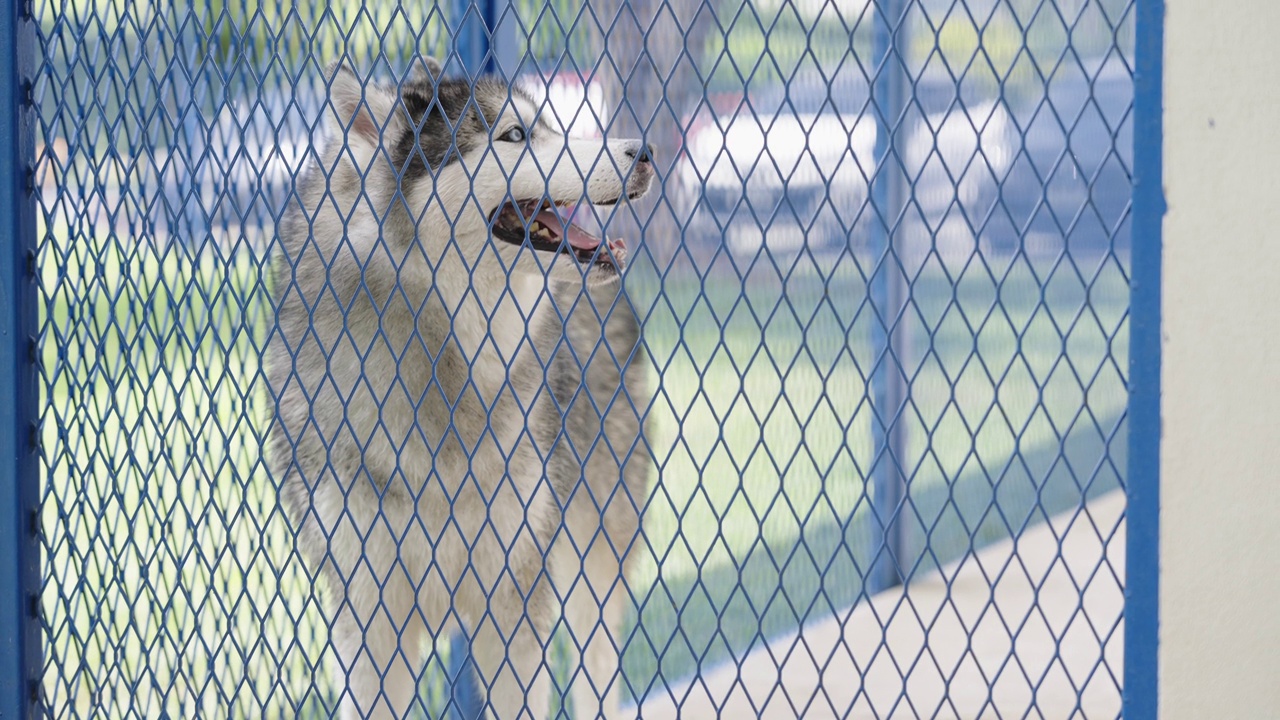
379, 644
509, 651
593, 612
510, 630
377, 634
379, 658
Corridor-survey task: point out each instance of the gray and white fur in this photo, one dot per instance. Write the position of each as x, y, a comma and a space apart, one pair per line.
454, 450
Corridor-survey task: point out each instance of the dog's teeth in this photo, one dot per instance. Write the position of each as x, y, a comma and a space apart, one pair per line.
536, 227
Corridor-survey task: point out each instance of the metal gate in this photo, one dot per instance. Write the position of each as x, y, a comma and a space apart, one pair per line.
880, 400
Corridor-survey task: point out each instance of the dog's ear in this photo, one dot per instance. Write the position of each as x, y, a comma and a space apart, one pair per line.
358, 112
426, 71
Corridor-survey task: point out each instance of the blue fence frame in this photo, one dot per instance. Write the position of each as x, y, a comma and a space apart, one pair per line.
1142, 569
19, 472
20, 640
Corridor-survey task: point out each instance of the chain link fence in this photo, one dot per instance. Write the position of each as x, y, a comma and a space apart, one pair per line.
335, 416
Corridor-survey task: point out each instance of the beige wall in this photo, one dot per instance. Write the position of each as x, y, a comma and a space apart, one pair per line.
1220, 458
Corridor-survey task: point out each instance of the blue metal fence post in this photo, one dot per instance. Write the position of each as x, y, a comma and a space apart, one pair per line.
468, 702
484, 36
193, 145
1142, 513
19, 480
502, 54
484, 42
888, 295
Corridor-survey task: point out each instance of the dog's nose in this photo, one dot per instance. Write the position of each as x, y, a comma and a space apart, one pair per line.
641, 153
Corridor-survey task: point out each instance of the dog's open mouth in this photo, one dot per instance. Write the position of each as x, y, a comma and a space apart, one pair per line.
550, 228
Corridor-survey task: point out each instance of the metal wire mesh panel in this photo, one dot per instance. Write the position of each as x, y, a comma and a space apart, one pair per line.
686, 358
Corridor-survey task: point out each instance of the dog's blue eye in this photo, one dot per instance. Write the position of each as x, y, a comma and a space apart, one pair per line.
515, 134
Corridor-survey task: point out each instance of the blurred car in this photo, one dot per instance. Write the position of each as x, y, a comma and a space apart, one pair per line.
793, 169
750, 176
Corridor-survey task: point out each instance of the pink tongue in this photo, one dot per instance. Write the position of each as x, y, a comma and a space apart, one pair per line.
577, 237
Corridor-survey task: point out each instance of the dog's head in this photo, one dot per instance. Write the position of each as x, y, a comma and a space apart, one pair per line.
480, 168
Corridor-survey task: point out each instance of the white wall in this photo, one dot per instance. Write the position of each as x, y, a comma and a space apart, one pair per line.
1220, 457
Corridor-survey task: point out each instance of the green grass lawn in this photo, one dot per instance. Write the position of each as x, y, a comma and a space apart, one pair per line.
173, 587
761, 518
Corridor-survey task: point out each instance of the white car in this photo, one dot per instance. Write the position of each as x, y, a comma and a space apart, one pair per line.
791, 180
752, 178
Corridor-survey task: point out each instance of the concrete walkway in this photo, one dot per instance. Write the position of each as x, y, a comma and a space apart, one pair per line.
1019, 629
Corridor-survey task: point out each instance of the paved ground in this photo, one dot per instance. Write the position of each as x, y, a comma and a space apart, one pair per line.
1018, 630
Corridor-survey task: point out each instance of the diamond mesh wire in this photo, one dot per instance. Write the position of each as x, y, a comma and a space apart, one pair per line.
882, 277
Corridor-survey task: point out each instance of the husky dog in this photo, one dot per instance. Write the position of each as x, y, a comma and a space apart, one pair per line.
456, 430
